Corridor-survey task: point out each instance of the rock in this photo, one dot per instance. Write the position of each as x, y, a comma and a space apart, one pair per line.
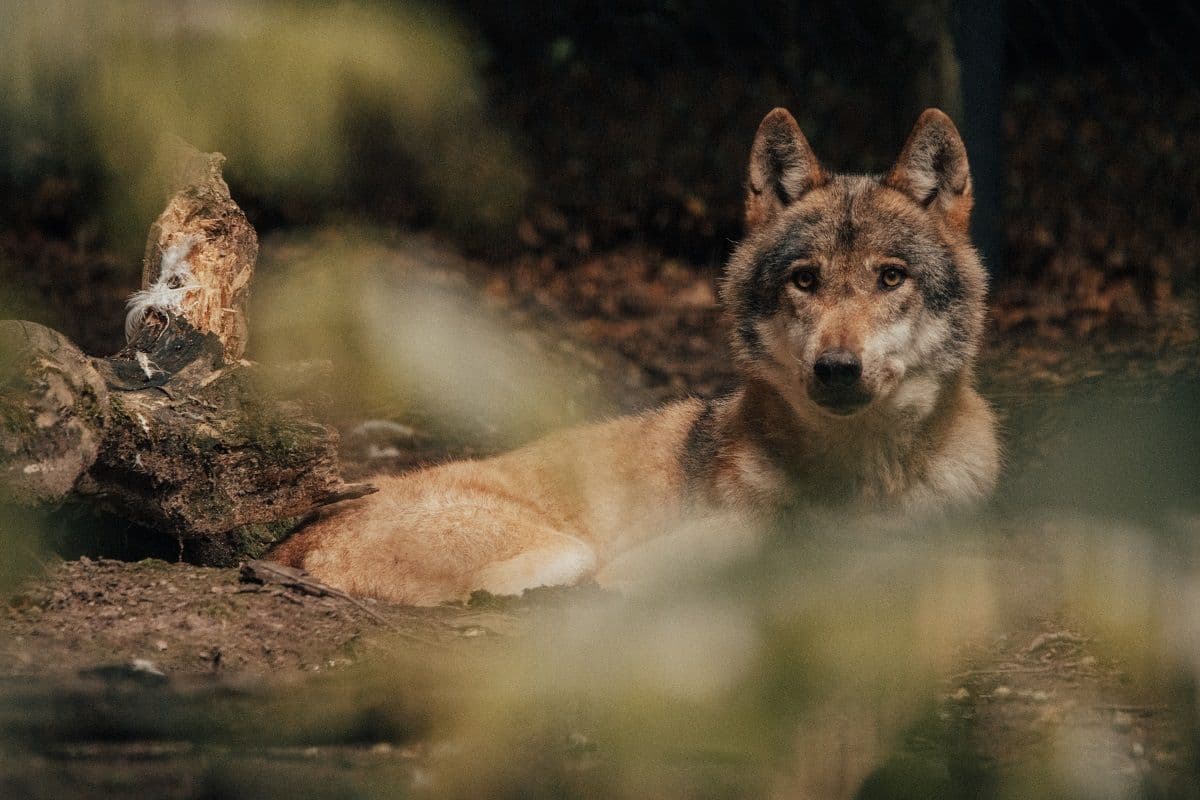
53, 413
473, 631
137, 671
147, 667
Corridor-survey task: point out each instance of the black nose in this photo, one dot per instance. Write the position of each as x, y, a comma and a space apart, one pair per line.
838, 369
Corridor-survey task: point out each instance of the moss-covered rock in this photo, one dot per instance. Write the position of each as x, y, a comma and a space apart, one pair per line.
54, 412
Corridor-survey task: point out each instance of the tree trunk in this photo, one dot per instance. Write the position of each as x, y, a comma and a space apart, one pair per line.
175, 432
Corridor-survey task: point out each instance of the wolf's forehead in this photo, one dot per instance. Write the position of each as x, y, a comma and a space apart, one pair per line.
844, 224
853, 214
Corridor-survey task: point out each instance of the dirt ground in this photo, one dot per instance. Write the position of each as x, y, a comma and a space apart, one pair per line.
95, 633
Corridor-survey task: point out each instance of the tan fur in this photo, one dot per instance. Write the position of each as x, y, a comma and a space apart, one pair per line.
576, 498
586, 502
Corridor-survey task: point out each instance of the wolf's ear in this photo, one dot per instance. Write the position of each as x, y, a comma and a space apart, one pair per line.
782, 167
933, 170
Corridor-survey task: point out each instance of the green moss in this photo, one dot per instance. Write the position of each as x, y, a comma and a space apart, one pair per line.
89, 408
240, 544
15, 417
117, 412
280, 439
14, 410
253, 541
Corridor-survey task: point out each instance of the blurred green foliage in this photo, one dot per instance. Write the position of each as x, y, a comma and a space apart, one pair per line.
99, 90
405, 333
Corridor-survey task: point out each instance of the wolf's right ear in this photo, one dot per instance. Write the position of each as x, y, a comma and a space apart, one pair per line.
782, 167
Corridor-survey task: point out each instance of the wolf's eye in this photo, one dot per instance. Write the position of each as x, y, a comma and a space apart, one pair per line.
805, 279
891, 277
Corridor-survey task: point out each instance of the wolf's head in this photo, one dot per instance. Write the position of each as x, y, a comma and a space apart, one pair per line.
853, 293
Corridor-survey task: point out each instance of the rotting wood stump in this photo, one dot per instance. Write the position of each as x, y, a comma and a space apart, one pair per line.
176, 432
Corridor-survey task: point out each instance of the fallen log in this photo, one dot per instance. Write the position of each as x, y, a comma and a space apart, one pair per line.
176, 432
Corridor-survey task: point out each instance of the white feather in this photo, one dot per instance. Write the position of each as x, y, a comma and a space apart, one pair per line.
148, 366
166, 294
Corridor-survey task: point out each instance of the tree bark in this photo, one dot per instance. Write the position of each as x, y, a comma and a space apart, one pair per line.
220, 247
175, 432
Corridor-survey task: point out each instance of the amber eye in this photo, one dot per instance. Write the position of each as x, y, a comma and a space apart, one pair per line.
805, 279
891, 277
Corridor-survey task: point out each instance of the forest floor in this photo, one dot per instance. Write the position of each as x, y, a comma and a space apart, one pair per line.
97, 633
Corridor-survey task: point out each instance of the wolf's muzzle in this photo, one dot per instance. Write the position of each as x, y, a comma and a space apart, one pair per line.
838, 369
838, 382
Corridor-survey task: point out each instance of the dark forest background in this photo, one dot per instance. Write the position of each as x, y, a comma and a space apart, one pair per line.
632, 122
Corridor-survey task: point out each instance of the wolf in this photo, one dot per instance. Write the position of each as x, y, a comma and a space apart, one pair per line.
855, 307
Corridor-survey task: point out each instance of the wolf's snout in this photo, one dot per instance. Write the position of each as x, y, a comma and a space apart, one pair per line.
838, 369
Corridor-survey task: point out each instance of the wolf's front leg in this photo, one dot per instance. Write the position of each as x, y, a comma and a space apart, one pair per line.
550, 559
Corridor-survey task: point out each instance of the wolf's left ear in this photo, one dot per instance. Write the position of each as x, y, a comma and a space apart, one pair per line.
933, 170
782, 167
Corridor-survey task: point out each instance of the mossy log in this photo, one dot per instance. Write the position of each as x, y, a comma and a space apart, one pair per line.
176, 432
